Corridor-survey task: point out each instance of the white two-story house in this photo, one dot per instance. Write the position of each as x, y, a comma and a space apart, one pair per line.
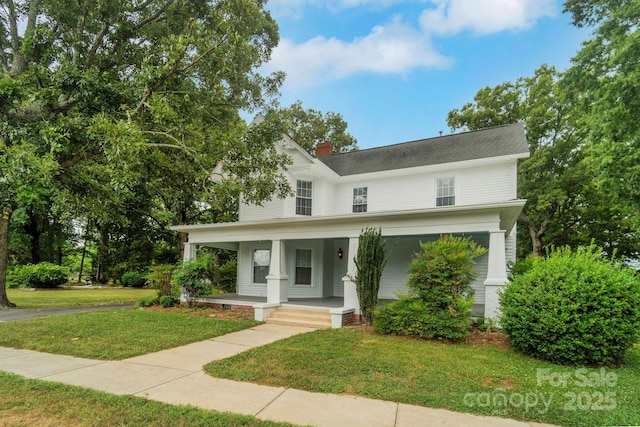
302, 248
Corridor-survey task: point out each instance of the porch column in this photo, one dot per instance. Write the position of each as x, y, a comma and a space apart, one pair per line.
189, 251
496, 273
277, 280
350, 292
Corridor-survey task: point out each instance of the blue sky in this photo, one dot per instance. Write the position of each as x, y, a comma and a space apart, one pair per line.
395, 68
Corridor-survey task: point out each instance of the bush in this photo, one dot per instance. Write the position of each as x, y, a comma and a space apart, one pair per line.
167, 300
370, 263
416, 318
441, 296
193, 278
147, 301
18, 276
133, 279
227, 276
160, 279
42, 275
573, 308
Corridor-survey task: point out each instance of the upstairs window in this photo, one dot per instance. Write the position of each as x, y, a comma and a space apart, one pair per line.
261, 259
303, 198
360, 199
446, 192
303, 267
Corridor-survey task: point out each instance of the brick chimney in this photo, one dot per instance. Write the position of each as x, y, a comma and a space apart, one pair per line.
324, 149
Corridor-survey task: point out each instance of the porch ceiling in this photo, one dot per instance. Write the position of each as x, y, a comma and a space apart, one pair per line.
448, 219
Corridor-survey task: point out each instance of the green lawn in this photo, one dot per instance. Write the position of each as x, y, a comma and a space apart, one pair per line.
41, 298
114, 335
31, 402
460, 377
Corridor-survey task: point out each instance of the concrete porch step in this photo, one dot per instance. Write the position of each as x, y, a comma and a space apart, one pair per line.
315, 318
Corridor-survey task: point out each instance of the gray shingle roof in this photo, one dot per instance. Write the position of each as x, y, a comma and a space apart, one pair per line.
491, 142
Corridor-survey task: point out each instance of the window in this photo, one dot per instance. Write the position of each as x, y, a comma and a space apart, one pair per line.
303, 267
261, 259
303, 198
446, 195
360, 199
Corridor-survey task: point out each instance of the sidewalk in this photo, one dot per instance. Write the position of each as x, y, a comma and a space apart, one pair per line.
175, 376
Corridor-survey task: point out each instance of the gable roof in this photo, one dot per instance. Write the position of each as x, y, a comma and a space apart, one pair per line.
484, 143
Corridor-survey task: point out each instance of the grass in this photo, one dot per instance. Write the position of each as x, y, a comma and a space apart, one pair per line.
460, 377
43, 298
32, 402
114, 335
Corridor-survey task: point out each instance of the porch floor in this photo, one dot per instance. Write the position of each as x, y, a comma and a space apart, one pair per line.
328, 302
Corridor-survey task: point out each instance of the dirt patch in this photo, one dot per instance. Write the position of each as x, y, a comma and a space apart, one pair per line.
218, 313
493, 338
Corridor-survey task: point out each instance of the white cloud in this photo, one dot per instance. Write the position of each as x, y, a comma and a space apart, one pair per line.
395, 47
392, 48
484, 16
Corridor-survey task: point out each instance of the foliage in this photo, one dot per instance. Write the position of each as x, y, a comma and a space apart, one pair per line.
193, 278
370, 262
440, 299
147, 301
43, 275
160, 278
167, 301
226, 276
605, 74
549, 178
133, 279
310, 127
106, 112
414, 317
573, 308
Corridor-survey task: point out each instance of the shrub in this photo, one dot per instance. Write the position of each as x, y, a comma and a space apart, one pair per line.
193, 278
416, 318
42, 275
18, 276
167, 301
227, 276
133, 279
441, 296
370, 263
160, 280
573, 308
147, 301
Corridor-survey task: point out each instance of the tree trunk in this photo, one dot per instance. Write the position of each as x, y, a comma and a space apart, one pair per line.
4, 257
32, 229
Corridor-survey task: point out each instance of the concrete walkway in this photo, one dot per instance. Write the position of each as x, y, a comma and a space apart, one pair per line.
175, 376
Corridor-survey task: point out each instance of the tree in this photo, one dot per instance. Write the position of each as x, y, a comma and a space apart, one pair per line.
370, 263
605, 74
94, 91
310, 127
547, 179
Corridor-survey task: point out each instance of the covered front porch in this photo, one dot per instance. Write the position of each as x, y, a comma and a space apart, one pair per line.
309, 262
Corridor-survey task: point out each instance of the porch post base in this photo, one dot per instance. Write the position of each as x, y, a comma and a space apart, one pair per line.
351, 295
491, 299
277, 289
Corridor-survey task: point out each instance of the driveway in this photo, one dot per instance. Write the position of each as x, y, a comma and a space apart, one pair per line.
10, 314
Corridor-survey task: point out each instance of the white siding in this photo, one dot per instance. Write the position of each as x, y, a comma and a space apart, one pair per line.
496, 183
269, 210
317, 252
245, 270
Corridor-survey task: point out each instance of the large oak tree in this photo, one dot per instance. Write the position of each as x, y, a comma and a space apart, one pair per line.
98, 96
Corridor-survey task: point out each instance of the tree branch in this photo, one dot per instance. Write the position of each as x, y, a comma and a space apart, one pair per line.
80, 157
96, 43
